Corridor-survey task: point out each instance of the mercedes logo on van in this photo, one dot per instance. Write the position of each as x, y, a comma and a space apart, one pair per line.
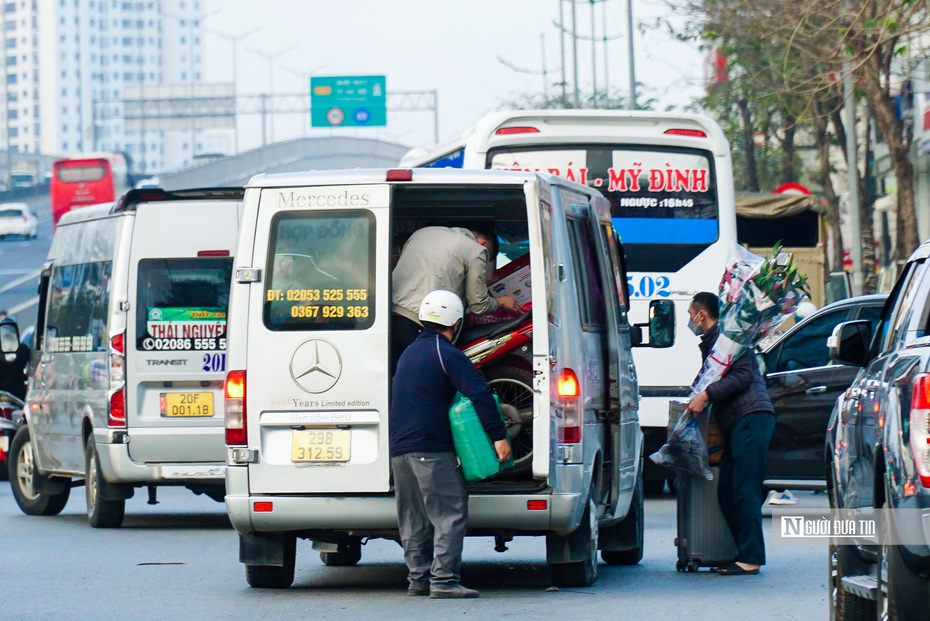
316, 366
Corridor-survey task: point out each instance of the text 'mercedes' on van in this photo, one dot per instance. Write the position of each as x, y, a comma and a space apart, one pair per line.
308, 390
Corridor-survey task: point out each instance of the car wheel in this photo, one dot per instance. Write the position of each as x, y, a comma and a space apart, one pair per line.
274, 576
348, 554
23, 471
632, 528
582, 572
902, 594
101, 513
845, 606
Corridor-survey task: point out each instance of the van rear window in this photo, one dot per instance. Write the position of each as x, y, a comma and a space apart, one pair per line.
321, 271
182, 304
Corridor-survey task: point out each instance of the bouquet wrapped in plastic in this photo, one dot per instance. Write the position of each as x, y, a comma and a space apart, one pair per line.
756, 295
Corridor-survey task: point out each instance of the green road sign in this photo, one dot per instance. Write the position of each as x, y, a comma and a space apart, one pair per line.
348, 101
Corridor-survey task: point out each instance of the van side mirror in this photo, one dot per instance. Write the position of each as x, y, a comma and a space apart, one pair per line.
661, 326
9, 337
849, 343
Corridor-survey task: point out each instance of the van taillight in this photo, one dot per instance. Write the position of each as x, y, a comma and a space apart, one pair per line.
920, 427
399, 174
116, 410
692, 133
568, 391
505, 131
236, 432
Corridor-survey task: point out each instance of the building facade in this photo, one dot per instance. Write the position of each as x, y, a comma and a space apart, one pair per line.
67, 63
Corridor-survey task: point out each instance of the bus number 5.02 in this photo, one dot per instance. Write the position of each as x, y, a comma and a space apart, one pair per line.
214, 363
649, 286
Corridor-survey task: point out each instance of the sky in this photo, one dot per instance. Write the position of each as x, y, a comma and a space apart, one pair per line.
452, 47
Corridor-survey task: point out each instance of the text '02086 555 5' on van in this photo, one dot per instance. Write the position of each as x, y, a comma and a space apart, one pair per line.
309, 321
128, 359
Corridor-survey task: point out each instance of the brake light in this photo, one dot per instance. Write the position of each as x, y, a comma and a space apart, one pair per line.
568, 391
399, 174
212, 253
116, 411
236, 432
920, 427
692, 133
505, 131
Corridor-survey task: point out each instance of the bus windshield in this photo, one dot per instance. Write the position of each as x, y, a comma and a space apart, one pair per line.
663, 200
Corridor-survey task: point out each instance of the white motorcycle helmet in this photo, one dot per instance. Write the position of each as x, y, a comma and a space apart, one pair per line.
441, 307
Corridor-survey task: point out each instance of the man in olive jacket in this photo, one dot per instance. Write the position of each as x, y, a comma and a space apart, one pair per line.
744, 412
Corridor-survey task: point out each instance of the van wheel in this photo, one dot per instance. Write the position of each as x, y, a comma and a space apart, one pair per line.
581, 543
349, 553
514, 388
274, 576
22, 471
630, 529
101, 513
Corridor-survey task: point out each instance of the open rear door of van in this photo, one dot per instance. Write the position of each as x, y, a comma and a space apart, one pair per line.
318, 365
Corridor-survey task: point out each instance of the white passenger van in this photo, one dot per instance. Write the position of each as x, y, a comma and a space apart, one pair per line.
308, 390
129, 353
668, 178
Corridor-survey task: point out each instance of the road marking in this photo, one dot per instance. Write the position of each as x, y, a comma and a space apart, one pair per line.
21, 307
19, 281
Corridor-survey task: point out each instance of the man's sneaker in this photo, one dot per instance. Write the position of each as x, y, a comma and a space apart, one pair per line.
782, 498
452, 591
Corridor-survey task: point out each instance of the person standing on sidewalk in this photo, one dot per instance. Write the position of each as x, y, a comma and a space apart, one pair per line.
432, 500
747, 419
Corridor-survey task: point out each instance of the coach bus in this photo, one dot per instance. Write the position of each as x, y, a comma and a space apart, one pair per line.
669, 180
87, 179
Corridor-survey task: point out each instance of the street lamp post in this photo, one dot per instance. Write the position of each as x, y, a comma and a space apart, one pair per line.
270, 57
305, 79
234, 40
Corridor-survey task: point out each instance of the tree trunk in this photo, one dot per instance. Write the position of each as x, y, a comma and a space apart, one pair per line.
787, 151
822, 140
749, 147
883, 111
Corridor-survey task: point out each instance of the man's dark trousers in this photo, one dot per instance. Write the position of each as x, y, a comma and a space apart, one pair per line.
432, 509
742, 472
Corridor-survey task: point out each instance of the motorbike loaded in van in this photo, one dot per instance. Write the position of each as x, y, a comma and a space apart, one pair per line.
308, 390
129, 354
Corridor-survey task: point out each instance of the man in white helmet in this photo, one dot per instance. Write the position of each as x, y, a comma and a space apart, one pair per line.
438, 257
432, 500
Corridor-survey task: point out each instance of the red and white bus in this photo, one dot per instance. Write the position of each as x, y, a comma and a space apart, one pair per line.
88, 179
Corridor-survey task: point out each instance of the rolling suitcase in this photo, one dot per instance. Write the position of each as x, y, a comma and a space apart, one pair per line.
703, 538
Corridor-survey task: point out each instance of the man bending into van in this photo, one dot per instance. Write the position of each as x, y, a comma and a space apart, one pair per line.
432, 500
438, 257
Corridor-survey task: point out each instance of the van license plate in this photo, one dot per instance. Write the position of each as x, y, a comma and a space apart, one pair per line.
177, 404
320, 445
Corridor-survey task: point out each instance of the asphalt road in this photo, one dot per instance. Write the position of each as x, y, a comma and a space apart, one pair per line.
20, 263
178, 560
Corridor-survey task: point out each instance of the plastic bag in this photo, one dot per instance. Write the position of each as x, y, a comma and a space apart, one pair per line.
472, 445
686, 450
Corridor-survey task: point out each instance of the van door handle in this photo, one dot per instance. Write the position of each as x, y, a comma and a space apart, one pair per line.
816, 390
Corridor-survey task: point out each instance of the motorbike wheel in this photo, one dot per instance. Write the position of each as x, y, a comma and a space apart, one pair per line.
514, 388
22, 469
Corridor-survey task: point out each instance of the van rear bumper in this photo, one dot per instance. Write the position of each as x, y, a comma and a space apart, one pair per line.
379, 513
117, 466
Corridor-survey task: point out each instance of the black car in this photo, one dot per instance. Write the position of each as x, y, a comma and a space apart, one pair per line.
878, 450
803, 384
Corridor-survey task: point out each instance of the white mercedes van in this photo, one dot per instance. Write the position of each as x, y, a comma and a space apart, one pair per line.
129, 354
308, 389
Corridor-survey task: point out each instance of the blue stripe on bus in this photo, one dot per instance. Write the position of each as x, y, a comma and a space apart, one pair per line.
666, 230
